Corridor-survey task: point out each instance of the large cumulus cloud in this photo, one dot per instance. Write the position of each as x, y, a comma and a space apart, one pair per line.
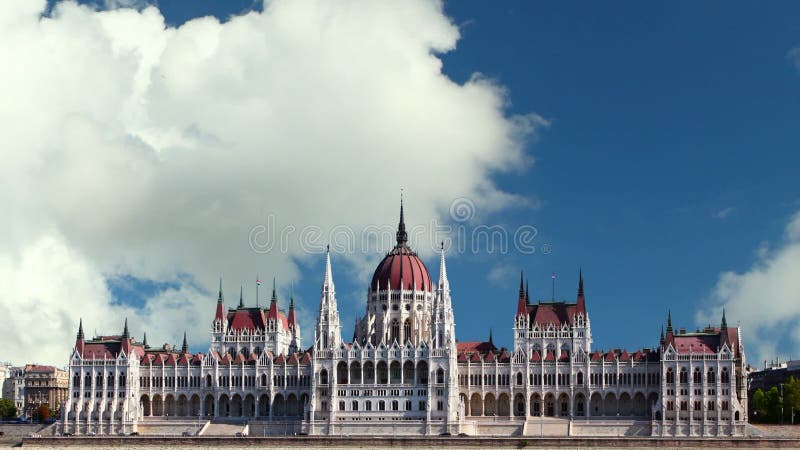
131, 147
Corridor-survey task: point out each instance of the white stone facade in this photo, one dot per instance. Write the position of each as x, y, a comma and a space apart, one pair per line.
405, 373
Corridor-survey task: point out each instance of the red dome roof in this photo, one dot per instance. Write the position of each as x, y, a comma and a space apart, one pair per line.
402, 264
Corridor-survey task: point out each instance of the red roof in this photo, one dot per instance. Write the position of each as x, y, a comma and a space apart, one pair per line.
556, 313
401, 265
475, 347
709, 341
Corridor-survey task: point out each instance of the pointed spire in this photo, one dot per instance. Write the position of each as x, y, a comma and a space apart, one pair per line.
274, 292
491, 340
327, 282
521, 285
669, 321
527, 294
241, 297
661, 339
580, 282
144, 341
125, 334
185, 346
80, 329
444, 284
220, 297
724, 320
291, 295
402, 236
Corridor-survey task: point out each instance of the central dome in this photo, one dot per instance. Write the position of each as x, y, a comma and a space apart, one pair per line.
401, 266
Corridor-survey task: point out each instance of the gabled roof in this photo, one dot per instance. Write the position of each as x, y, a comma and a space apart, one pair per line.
556, 313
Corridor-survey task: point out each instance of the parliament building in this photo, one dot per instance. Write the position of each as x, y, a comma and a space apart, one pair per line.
405, 373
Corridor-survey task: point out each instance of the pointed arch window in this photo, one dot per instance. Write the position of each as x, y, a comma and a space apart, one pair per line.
394, 334
407, 330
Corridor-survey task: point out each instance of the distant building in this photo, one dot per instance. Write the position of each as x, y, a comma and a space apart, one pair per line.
44, 385
773, 375
14, 386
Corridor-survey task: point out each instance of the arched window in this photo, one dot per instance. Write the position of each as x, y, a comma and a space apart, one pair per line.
208, 380
670, 376
407, 330
519, 378
684, 376
725, 377
394, 334
263, 379
440, 376
580, 378
711, 377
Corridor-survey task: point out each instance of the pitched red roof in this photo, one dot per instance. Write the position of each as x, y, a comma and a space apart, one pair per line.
475, 347
708, 341
556, 313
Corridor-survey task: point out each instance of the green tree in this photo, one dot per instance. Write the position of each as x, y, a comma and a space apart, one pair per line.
7, 409
791, 398
760, 406
774, 404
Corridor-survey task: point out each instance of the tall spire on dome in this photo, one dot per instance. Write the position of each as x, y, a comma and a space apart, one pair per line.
580, 283
274, 292
185, 346
80, 329
220, 297
327, 282
402, 236
241, 297
125, 334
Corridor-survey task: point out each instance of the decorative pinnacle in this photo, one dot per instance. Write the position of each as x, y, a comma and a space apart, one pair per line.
220, 298
185, 346
291, 296
521, 286
527, 294
274, 292
241, 297
80, 329
144, 341
125, 334
580, 283
724, 320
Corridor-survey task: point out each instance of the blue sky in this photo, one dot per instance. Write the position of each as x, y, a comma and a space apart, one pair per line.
663, 162
672, 153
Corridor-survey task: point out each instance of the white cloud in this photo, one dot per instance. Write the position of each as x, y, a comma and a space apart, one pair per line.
130, 147
724, 213
764, 299
793, 56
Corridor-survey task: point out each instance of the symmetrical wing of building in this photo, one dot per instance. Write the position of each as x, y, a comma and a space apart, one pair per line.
404, 372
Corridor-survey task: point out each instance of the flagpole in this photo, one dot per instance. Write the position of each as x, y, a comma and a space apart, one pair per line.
554, 287
258, 281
